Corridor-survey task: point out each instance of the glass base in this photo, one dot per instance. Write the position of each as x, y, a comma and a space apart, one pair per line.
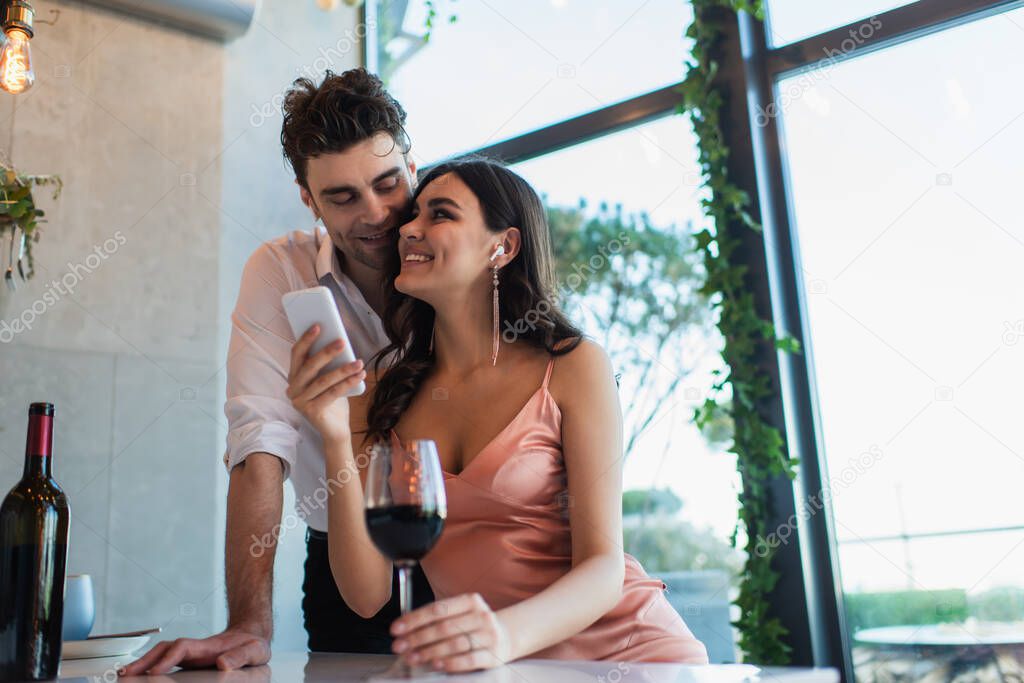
400, 671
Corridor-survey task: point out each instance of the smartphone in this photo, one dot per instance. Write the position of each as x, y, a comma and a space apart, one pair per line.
316, 306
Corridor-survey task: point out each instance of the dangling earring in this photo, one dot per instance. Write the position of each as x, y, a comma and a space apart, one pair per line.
494, 316
499, 250
430, 350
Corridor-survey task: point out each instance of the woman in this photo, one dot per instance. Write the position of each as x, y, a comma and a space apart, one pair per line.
526, 418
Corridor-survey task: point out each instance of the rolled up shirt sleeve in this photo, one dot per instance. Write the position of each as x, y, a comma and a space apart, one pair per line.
260, 415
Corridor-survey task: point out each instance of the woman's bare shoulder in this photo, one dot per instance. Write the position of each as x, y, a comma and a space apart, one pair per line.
584, 368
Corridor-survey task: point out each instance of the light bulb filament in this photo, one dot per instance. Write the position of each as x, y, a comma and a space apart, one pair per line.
16, 73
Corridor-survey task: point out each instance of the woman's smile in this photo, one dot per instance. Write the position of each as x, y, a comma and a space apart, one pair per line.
414, 259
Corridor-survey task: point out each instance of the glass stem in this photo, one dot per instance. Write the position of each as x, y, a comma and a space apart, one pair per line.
405, 587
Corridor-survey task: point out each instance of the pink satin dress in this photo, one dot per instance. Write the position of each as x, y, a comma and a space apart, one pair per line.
507, 538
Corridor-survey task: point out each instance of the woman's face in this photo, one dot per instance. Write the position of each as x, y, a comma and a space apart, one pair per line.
446, 246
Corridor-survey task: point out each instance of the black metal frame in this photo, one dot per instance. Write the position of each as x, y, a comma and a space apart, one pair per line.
579, 129
895, 26
808, 598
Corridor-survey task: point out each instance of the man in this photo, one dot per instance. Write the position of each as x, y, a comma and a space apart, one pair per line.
346, 142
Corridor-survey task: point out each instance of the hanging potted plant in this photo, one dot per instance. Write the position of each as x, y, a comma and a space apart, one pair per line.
19, 222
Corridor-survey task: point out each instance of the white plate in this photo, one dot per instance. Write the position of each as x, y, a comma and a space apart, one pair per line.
102, 647
94, 668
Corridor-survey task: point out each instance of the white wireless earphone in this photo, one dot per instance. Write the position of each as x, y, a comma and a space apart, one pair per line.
498, 251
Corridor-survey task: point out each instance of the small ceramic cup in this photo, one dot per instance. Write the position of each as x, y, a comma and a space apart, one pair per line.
79, 607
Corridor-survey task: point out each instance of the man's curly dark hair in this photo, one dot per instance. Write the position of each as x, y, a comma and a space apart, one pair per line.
342, 111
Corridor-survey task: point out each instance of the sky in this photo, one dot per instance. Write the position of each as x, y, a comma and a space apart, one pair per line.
904, 172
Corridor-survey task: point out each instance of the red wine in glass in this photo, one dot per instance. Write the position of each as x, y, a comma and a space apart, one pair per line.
405, 511
404, 533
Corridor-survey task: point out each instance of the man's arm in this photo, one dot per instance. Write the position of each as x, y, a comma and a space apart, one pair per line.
255, 499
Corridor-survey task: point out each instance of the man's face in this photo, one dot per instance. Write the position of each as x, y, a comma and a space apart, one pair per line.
362, 194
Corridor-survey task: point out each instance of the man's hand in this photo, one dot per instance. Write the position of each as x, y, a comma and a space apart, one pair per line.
231, 649
321, 400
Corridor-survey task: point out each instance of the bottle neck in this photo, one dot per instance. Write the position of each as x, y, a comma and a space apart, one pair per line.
38, 446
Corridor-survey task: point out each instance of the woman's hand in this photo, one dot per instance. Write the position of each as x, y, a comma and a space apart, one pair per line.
322, 400
455, 634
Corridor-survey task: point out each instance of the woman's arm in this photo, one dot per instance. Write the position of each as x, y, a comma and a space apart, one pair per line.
363, 575
585, 392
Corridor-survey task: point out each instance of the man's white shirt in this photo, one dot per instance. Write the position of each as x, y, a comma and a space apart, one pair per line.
260, 414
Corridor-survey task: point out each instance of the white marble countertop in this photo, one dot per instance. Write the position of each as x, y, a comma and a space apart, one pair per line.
296, 667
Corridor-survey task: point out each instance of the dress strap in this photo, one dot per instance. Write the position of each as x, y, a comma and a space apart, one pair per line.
551, 363
547, 373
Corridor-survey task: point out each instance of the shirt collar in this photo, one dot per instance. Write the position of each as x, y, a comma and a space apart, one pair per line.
327, 258
327, 264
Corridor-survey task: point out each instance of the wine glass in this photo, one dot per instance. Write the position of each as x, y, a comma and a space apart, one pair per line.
405, 512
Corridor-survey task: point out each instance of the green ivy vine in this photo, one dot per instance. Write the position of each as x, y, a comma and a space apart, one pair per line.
738, 393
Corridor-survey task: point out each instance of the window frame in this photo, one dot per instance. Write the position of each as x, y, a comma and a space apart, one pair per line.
808, 598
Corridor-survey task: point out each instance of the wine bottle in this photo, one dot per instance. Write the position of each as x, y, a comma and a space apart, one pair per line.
33, 558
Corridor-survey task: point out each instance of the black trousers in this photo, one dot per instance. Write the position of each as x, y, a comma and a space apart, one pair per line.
331, 625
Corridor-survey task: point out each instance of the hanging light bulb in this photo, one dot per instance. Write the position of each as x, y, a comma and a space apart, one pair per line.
16, 73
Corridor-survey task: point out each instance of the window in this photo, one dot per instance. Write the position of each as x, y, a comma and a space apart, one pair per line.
505, 68
652, 169
680, 504
903, 168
